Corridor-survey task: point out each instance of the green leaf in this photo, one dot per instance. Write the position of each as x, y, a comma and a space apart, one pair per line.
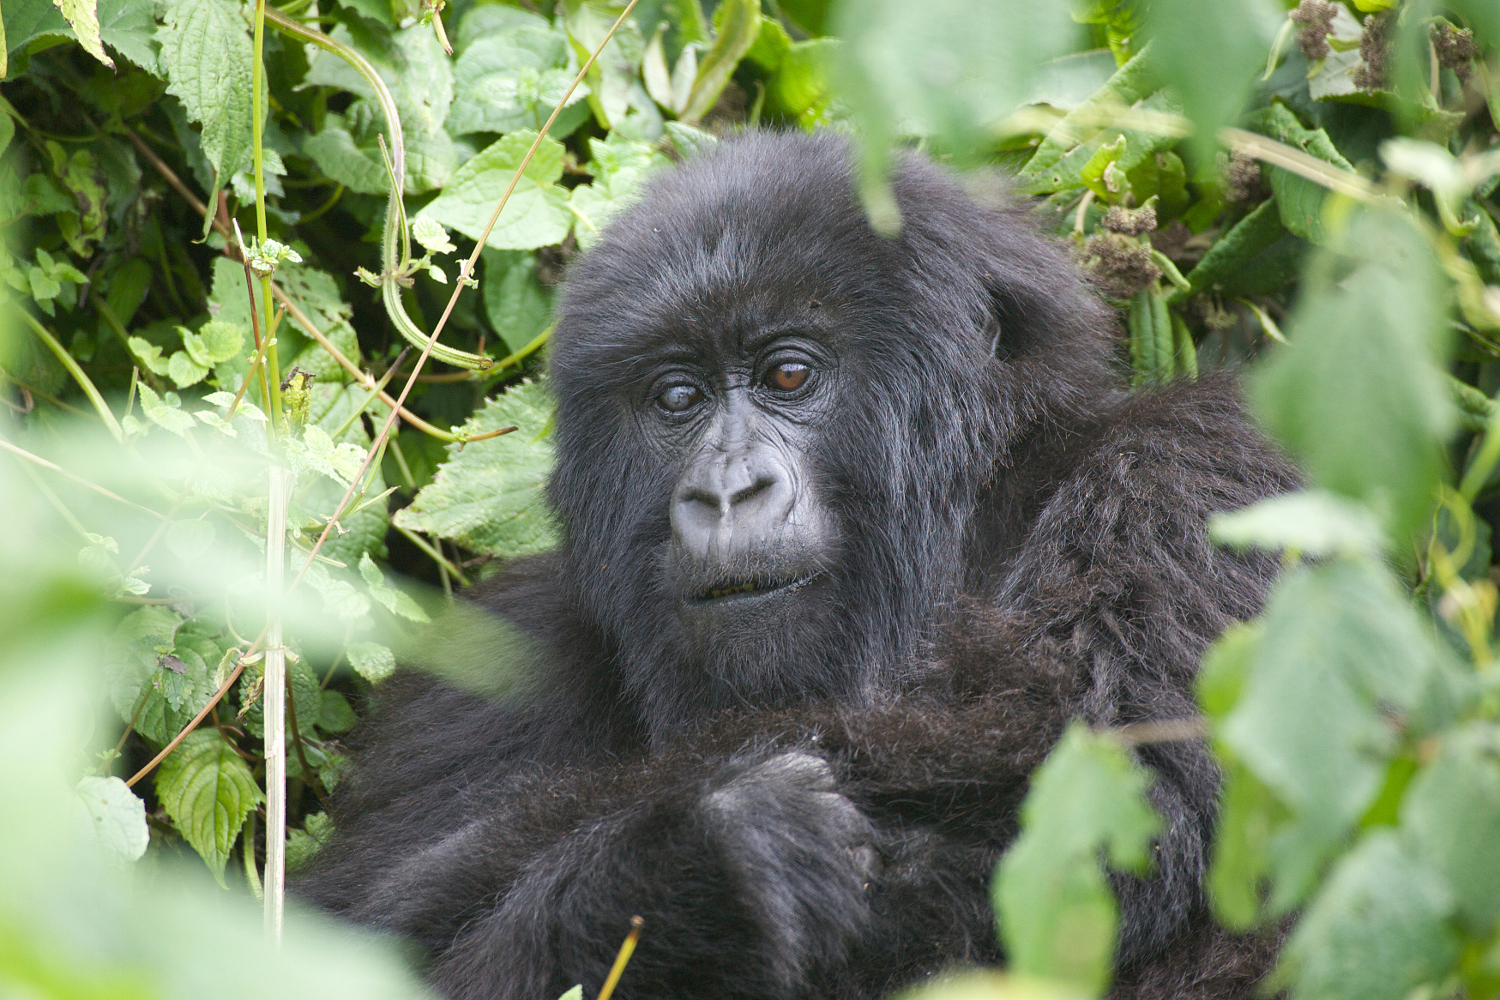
1209, 60
184, 370
519, 307
1242, 849
336, 716
206, 52
1251, 236
395, 601
1377, 931
1450, 819
83, 17
1084, 129
738, 25
1371, 430
214, 342
1057, 914
148, 354
512, 71
165, 412
615, 89
489, 495
947, 69
620, 167
537, 214
1299, 199
1341, 648
1311, 523
371, 661
117, 815
802, 87
207, 790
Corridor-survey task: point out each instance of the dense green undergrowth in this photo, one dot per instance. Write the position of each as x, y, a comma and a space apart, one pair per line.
218, 348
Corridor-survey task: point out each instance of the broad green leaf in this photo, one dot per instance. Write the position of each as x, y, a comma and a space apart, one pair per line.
537, 214
301, 845
1209, 59
991, 984
1340, 648
209, 62
83, 17
332, 409
117, 815
948, 69
1242, 849
148, 354
1377, 931
1450, 819
489, 495
518, 306
184, 370
513, 68
1057, 913
1312, 523
335, 715
1371, 430
802, 88
371, 661
1299, 199
615, 89
214, 342
207, 790
1251, 236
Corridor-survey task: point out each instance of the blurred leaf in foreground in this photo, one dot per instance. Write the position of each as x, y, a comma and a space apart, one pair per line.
1057, 913
1359, 394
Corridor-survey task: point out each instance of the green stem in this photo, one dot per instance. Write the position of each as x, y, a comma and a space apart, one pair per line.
257, 125
78, 375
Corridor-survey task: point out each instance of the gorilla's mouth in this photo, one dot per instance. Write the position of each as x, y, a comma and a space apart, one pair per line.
732, 590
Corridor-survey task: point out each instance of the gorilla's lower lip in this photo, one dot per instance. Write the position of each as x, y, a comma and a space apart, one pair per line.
742, 590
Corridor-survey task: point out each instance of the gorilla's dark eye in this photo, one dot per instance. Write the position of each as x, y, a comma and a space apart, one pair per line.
678, 398
787, 376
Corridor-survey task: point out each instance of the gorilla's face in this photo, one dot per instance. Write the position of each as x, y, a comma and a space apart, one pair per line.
750, 537
773, 424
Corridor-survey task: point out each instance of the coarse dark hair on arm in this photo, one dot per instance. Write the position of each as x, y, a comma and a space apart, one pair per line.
852, 527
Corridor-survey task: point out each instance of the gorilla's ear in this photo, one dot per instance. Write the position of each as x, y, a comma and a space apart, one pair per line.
1037, 302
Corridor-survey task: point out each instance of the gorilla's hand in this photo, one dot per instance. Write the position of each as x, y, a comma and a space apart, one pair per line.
800, 856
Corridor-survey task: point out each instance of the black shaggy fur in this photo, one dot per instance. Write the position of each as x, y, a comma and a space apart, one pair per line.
817, 810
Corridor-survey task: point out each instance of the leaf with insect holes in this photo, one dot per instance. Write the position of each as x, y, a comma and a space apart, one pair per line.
490, 495
207, 790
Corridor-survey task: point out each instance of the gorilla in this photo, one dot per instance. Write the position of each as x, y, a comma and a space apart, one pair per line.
851, 528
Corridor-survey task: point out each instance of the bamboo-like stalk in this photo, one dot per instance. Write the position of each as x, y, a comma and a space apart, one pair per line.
273, 693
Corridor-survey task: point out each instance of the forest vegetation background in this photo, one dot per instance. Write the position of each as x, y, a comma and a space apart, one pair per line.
272, 388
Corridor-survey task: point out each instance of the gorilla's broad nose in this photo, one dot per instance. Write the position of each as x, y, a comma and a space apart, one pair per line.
732, 505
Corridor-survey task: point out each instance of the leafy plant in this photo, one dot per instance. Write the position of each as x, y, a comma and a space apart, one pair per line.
216, 320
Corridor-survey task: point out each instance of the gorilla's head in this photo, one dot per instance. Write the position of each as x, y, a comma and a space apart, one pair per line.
774, 426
